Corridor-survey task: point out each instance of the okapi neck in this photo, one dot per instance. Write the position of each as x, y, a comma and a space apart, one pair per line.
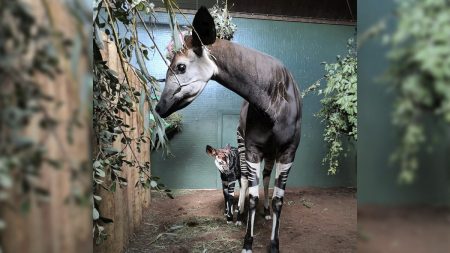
249, 73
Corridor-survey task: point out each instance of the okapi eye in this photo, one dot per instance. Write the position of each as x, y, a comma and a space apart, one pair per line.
181, 68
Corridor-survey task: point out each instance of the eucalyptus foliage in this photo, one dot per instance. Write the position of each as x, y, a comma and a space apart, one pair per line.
225, 28
339, 106
28, 50
419, 73
114, 96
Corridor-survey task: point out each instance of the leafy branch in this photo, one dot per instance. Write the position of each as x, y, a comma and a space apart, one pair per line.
34, 52
419, 74
339, 105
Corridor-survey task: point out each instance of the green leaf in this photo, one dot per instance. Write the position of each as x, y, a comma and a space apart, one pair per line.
95, 214
112, 188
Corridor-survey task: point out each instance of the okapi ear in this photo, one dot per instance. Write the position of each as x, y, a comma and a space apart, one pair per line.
228, 146
210, 150
204, 28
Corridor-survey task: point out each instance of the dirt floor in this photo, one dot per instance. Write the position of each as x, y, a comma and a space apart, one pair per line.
312, 220
403, 229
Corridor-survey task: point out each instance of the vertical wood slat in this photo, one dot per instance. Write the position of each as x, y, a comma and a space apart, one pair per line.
60, 225
57, 224
126, 205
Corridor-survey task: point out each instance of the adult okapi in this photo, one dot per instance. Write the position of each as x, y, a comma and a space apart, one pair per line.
270, 120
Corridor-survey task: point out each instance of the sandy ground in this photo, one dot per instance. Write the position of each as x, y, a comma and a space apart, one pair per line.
312, 220
403, 229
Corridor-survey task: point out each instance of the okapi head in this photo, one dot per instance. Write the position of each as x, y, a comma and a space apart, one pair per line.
191, 68
221, 156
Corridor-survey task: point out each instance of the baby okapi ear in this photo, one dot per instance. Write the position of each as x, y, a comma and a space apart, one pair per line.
204, 29
210, 150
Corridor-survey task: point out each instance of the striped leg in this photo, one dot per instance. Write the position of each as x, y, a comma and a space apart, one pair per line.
253, 192
225, 194
282, 172
243, 180
241, 203
268, 165
229, 202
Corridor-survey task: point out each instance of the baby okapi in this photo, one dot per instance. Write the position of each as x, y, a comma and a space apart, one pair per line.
227, 162
270, 120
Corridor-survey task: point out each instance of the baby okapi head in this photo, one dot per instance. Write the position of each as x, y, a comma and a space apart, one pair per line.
222, 158
190, 68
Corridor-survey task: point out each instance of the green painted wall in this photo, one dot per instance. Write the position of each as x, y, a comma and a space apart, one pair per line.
377, 178
302, 47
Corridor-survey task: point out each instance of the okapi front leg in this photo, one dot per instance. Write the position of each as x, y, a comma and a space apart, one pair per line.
253, 192
268, 165
282, 172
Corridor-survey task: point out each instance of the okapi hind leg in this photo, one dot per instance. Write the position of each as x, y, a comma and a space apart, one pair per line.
253, 195
243, 179
268, 165
282, 172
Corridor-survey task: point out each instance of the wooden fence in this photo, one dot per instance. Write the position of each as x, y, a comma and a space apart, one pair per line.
61, 223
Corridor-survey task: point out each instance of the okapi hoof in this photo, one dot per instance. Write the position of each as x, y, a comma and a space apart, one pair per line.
239, 219
274, 247
267, 214
248, 244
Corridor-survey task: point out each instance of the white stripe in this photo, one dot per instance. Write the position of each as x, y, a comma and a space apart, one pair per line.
277, 192
254, 190
254, 165
274, 223
280, 167
253, 222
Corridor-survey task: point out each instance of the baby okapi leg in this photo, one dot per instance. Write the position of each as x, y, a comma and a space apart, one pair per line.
225, 195
230, 201
268, 165
282, 172
253, 192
